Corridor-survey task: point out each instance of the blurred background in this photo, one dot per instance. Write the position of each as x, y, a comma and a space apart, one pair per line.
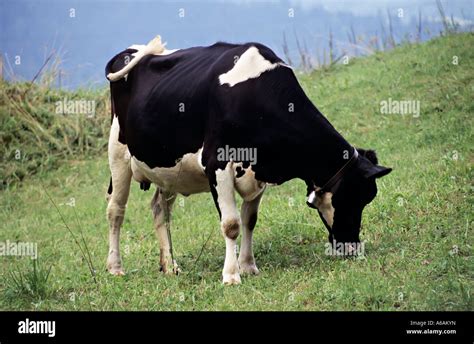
77, 38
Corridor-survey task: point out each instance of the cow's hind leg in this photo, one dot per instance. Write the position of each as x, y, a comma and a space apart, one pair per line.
119, 162
161, 206
248, 213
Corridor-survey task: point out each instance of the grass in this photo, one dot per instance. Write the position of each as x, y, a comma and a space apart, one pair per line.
33, 283
36, 136
418, 231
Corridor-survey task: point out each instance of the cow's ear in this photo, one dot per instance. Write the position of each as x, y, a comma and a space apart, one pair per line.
369, 154
377, 171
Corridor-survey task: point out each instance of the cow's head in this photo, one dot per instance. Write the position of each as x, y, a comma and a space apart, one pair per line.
341, 207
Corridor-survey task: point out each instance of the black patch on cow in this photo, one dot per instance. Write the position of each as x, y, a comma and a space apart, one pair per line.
252, 221
240, 171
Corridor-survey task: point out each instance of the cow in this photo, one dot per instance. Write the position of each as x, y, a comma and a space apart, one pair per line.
175, 115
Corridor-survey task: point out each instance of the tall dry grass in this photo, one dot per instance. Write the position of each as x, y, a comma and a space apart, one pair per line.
359, 45
35, 136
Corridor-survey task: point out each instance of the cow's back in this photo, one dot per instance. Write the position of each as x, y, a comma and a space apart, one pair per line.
170, 99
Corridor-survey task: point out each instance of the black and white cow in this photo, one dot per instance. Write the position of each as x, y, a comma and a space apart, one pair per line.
173, 111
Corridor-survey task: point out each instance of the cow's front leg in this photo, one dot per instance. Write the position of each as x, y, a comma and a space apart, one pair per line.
161, 206
248, 212
230, 222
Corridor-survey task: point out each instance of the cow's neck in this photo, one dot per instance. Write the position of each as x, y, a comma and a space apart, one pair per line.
327, 149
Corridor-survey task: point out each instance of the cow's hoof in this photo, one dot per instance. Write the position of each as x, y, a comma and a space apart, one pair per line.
176, 270
117, 271
230, 279
249, 269
167, 270
170, 269
114, 266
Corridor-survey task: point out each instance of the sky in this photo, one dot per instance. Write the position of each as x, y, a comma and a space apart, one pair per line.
85, 34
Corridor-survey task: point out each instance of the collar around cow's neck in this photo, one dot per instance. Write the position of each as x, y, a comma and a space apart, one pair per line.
339, 174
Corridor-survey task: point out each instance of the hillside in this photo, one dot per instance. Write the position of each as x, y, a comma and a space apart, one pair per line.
418, 231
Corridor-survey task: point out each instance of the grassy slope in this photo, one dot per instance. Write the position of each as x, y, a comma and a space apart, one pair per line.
34, 138
423, 208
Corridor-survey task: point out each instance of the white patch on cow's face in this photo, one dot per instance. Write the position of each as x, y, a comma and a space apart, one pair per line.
324, 204
250, 65
312, 198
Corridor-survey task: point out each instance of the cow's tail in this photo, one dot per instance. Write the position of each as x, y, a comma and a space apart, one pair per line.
154, 47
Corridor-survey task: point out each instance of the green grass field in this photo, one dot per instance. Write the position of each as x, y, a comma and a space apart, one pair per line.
418, 231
